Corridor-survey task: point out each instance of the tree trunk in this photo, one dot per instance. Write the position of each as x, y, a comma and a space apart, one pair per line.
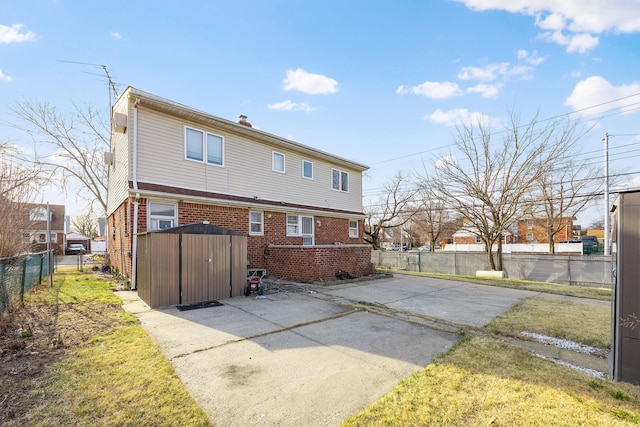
492, 262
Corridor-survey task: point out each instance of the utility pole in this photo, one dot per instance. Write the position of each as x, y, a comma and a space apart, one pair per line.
607, 245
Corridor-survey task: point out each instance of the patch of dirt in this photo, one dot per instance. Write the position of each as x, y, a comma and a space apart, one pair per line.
33, 338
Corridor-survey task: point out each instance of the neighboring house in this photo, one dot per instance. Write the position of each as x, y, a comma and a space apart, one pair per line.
36, 234
172, 165
534, 230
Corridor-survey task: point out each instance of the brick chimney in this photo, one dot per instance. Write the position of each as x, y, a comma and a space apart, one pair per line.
243, 121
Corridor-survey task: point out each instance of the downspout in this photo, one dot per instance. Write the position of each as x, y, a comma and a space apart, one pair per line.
134, 174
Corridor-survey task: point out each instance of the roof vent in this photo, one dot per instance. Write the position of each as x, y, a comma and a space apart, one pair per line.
243, 121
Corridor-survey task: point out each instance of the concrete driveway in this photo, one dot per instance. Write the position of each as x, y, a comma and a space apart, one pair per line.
319, 354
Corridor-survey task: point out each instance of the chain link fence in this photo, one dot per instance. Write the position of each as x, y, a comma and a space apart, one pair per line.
19, 274
588, 270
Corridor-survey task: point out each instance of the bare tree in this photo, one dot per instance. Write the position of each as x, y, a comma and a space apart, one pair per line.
17, 186
69, 147
561, 193
430, 217
392, 210
486, 185
86, 225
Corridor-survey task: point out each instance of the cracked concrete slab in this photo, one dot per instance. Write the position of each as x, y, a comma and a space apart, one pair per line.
318, 355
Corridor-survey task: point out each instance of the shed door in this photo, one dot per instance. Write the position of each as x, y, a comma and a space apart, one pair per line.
206, 268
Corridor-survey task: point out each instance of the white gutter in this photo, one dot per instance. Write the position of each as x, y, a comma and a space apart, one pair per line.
134, 175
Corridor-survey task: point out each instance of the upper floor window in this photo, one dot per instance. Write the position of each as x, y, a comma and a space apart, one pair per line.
339, 180
307, 169
201, 145
256, 223
278, 162
353, 228
38, 214
162, 215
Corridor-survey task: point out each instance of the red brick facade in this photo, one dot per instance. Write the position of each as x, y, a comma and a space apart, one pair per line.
300, 263
535, 230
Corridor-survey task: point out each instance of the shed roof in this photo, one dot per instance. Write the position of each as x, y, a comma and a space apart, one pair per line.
200, 228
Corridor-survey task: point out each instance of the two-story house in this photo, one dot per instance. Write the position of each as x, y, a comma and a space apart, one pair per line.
36, 233
172, 165
535, 230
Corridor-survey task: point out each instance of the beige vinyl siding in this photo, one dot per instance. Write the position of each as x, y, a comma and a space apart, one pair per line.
247, 169
120, 171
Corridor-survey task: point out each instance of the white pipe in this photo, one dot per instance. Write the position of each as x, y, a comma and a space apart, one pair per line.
607, 250
134, 174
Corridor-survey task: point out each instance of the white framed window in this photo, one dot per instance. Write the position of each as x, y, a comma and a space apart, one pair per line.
529, 224
478, 239
298, 225
256, 223
293, 225
277, 162
42, 238
38, 214
353, 228
200, 145
307, 169
339, 180
529, 237
161, 215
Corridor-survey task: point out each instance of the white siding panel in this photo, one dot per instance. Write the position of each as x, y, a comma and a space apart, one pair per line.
120, 171
246, 171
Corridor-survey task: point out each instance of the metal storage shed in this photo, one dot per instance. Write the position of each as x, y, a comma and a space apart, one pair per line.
190, 264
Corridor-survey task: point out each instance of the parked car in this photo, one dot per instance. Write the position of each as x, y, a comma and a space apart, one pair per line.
398, 247
75, 249
423, 248
589, 244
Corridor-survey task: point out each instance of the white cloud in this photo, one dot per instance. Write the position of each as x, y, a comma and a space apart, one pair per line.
313, 84
460, 116
289, 105
530, 58
487, 73
13, 34
433, 90
595, 95
579, 19
115, 35
444, 162
4, 77
486, 91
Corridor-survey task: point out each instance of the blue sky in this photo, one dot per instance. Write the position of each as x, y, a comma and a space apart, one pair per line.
379, 82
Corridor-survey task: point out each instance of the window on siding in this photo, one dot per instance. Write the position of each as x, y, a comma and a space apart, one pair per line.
298, 225
256, 224
161, 215
339, 180
196, 149
353, 228
38, 214
278, 162
307, 169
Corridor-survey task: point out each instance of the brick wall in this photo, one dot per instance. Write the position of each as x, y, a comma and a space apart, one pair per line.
318, 263
536, 231
327, 231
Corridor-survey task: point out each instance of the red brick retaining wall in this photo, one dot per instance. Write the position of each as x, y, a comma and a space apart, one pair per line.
318, 263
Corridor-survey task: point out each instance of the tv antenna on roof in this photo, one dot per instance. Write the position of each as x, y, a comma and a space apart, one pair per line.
112, 84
